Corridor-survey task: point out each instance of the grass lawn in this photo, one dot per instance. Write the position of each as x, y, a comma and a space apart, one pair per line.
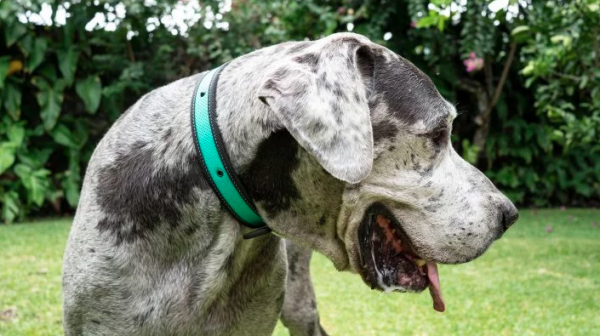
531, 282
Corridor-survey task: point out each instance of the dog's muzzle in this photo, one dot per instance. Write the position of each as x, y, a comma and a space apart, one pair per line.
388, 260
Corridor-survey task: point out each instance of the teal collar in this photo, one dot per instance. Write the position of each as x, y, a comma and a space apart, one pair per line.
214, 159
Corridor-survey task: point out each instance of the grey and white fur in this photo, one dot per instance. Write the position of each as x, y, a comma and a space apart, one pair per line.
317, 131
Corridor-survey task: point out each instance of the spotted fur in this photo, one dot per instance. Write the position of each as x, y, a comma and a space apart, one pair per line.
317, 131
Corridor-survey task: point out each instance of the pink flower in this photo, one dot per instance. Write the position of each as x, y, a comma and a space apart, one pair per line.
413, 24
342, 10
473, 63
549, 229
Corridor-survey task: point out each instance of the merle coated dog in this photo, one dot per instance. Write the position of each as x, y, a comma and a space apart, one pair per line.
344, 147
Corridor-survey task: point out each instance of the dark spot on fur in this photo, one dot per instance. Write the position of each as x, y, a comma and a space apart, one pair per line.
337, 112
167, 135
190, 230
365, 62
416, 164
140, 319
433, 199
384, 130
317, 126
293, 265
409, 94
91, 250
311, 60
136, 193
391, 148
338, 92
431, 208
426, 172
280, 74
95, 321
268, 178
322, 220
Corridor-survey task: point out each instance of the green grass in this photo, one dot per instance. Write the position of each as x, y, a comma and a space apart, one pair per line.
529, 283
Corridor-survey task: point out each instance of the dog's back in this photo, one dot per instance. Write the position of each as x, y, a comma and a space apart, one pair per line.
150, 244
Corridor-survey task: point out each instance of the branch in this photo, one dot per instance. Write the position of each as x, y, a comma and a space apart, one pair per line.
509, 61
130, 53
596, 49
489, 76
469, 85
566, 76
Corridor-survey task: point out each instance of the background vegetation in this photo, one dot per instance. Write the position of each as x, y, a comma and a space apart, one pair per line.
525, 76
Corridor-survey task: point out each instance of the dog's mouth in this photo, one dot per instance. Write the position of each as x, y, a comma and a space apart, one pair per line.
388, 260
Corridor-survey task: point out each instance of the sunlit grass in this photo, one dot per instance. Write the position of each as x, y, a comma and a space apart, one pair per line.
530, 282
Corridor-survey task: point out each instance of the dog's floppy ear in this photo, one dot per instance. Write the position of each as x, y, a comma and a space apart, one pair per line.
321, 97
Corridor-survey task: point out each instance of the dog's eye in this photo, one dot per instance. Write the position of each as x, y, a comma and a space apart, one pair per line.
439, 136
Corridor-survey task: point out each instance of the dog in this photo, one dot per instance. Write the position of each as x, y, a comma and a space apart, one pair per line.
345, 149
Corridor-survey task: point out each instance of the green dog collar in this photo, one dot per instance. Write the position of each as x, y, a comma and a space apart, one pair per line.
214, 158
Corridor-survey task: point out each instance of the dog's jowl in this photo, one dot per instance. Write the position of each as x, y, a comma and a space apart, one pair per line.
344, 148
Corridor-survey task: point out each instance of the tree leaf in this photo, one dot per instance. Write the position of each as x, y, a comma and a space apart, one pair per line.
10, 206
4, 68
62, 135
37, 54
13, 31
67, 63
7, 155
519, 30
35, 181
16, 134
12, 100
50, 100
71, 183
90, 91
35, 158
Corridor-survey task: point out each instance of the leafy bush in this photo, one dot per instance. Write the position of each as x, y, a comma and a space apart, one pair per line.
62, 86
526, 83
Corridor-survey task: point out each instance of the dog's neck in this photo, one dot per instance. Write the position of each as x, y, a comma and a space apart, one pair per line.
273, 167
244, 120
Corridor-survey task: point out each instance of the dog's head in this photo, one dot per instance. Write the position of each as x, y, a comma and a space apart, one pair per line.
363, 170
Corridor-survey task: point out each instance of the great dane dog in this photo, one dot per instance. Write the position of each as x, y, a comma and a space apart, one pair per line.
344, 147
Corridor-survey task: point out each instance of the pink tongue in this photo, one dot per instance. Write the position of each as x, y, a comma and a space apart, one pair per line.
434, 287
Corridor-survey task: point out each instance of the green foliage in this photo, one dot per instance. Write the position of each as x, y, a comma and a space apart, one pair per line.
563, 67
62, 85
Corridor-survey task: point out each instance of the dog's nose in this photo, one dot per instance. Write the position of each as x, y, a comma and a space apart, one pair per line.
510, 214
